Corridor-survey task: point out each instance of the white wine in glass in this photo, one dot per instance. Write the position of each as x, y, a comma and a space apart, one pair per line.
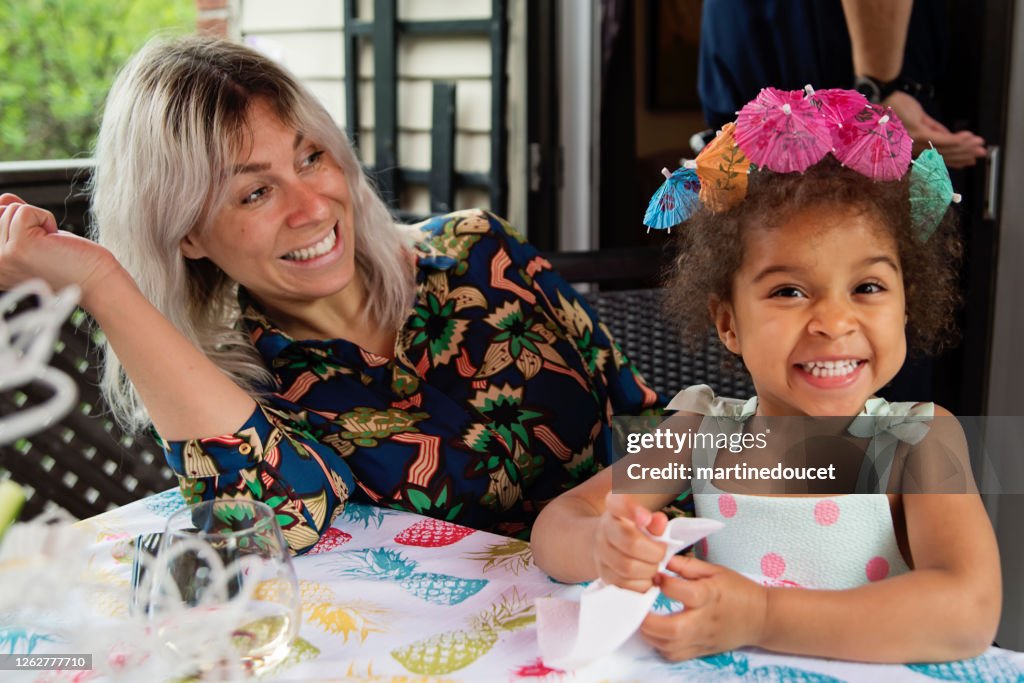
224, 595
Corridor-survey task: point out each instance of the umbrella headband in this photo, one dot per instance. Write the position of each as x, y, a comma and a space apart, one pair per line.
790, 131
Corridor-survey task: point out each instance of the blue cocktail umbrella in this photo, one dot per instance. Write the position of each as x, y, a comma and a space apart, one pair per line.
676, 200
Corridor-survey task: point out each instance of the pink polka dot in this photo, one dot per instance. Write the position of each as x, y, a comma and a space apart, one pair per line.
727, 505
877, 568
772, 565
826, 512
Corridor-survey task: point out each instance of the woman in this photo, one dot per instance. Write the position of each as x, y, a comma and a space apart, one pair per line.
288, 342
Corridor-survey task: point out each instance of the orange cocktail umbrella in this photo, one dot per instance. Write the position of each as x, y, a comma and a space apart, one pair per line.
722, 168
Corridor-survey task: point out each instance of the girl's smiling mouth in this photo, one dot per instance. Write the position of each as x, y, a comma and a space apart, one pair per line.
831, 374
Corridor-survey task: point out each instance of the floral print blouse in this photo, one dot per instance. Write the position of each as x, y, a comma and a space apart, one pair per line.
499, 398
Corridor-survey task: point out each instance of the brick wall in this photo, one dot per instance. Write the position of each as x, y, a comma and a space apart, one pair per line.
216, 17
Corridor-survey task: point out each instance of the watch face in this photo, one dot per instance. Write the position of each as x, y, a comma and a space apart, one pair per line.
868, 89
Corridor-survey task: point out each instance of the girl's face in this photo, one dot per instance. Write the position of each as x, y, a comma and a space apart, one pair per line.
817, 312
285, 231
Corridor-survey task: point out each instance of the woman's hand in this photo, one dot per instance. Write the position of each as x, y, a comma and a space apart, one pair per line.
723, 610
32, 246
958, 150
625, 555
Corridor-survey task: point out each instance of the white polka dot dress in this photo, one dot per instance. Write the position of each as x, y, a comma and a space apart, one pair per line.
835, 542
832, 542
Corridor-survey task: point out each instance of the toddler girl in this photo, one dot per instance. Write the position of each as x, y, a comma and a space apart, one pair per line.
819, 277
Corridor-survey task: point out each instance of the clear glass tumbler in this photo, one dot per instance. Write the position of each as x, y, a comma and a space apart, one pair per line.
223, 595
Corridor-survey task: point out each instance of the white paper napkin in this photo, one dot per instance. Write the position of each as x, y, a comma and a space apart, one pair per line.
573, 634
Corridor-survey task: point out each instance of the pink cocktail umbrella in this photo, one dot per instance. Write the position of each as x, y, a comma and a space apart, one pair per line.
781, 131
836, 105
875, 143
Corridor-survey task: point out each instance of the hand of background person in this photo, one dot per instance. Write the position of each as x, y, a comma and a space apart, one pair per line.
723, 610
959, 150
31, 246
625, 555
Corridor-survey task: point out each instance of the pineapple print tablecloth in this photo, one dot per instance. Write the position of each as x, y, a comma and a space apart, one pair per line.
394, 597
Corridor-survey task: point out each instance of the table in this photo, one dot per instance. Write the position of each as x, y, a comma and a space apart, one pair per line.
393, 596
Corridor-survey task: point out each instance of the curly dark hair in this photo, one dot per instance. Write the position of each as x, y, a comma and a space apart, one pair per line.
710, 248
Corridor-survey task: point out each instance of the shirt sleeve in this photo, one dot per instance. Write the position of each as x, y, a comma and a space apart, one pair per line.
274, 459
628, 391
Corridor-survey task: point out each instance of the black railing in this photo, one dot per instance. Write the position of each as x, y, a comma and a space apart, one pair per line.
58, 186
385, 31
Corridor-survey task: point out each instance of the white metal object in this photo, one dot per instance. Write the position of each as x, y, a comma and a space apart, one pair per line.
26, 345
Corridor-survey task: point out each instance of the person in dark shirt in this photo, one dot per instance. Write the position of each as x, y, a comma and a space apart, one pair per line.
894, 51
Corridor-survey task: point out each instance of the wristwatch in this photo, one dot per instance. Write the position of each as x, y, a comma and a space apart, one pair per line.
874, 89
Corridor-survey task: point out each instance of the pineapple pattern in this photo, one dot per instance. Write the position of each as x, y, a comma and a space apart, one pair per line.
433, 533
364, 515
498, 398
983, 668
453, 650
165, 504
735, 666
355, 672
321, 607
332, 539
510, 555
301, 650
382, 564
381, 611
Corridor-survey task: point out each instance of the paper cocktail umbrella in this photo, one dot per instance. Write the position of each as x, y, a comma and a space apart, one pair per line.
875, 143
931, 192
722, 168
781, 131
676, 200
836, 106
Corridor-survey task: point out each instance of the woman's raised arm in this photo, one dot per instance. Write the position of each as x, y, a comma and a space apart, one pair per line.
186, 395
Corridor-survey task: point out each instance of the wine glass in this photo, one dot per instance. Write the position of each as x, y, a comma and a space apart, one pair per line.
223, 595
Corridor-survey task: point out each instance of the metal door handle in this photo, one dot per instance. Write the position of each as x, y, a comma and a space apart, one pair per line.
991, 209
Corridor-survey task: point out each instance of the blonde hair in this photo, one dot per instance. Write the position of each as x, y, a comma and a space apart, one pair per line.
174, 119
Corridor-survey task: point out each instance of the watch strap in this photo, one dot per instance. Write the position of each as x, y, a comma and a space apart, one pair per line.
876, 91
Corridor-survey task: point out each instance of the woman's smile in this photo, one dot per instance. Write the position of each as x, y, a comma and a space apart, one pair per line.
324, 251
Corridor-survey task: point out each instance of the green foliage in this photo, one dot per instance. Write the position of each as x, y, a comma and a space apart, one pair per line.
58, 59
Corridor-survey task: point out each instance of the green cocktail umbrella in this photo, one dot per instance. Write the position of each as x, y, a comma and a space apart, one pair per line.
931, 192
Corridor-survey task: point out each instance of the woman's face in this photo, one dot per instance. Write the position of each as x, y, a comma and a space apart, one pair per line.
285, 231
818, 312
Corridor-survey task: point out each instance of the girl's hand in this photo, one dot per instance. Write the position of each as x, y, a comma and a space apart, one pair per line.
32, 246
625, 555
724, 610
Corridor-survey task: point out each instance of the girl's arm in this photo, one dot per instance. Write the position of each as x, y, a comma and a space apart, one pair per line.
946, 608
589, 532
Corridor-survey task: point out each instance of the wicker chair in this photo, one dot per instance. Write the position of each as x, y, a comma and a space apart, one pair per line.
636, 318
83, 464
